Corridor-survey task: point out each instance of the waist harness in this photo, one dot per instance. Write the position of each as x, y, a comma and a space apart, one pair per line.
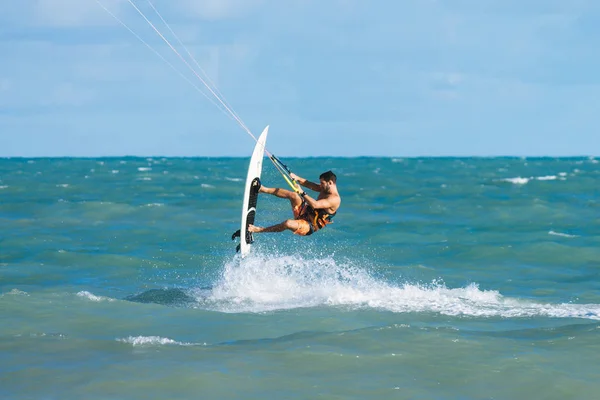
317, 219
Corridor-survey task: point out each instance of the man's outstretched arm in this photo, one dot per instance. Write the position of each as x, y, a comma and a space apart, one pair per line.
306, 183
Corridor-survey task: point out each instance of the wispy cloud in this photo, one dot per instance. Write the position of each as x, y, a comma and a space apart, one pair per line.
74, 13
68, 94
221, 9
4, 85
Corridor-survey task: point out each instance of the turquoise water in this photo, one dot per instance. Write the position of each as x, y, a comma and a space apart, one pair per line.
467, 278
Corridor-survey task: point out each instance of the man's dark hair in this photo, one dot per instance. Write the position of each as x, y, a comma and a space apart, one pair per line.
328, 176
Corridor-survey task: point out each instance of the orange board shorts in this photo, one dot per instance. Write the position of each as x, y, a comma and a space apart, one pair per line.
304, 228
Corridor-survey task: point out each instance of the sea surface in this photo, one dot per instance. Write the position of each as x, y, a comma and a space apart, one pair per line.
441, 278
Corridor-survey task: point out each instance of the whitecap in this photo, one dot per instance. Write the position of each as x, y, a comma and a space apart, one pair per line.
15, 292
207, 186
546, 178
517, 180
151, 341
144, 169
562, 234
93, 297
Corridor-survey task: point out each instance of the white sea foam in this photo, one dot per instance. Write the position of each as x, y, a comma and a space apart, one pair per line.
93, 297
144, 169
64, 185
562, 234
207, 186
3, 186
155, 205
517, 181
115, 171
146, 178
152, 341
15, 292
524, 180
546, 178
233, 179
261, 284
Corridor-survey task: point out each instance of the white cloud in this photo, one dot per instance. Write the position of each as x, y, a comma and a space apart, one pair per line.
5, 85
448, 78
221, 9
75, 13
68, 94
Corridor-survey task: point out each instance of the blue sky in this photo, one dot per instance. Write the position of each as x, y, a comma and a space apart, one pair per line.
331, 77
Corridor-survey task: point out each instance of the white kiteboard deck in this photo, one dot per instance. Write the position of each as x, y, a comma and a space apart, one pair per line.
251, 195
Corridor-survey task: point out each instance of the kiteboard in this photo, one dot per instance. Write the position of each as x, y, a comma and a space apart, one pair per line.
251, 195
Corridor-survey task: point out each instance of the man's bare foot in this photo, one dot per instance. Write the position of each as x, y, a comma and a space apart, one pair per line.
263, 189
252, 228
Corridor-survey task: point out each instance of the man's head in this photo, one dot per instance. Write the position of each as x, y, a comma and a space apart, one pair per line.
327, 180
328, 176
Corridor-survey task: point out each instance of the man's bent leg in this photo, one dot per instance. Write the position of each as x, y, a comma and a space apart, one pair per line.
290, 224
293, 197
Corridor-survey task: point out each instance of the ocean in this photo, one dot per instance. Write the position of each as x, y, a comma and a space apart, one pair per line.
440, 278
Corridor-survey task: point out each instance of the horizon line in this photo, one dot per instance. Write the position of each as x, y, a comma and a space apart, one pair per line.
587, 156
